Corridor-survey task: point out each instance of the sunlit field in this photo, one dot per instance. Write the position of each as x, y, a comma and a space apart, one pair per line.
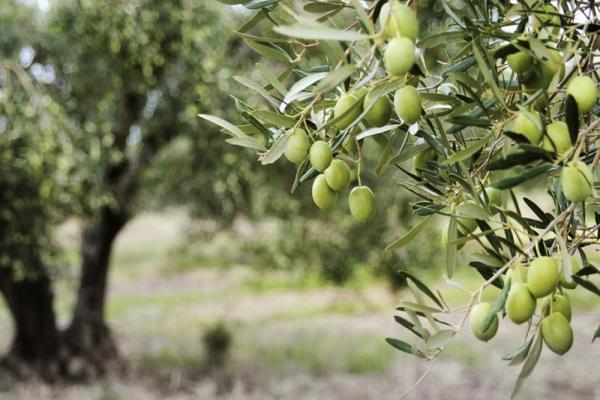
290, 335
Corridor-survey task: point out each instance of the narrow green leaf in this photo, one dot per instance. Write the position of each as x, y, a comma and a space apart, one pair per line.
302, 84
586, 284
409, 305
472, 210
410, 235
408, 325
438, 39
376, 131
229, 127
405, 347
516, 159
322, 7
363, 17
319, 32
409, 153
440, 339
422, 287
276, 150
334, 78
269, 50
256, 4
451, 248
250, 84
468, 152
517, 180
488, 75
572, 117
272, 118
519, 355
530, 363
272, 79
246, 141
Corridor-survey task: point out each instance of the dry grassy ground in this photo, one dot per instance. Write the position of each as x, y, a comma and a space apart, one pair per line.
293, 338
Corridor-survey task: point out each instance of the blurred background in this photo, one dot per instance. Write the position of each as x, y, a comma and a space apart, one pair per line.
141, 257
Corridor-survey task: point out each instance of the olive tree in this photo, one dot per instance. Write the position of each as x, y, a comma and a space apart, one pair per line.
130, 76
34, 176
507, 108
91, 95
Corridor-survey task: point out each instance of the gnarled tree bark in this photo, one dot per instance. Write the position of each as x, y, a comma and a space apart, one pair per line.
36, 340
88, 339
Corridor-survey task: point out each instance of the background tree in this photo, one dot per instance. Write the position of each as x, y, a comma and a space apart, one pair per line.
130, 83
34, 171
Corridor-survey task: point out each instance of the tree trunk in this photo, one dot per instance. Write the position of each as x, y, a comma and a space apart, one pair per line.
88, 337
36, 341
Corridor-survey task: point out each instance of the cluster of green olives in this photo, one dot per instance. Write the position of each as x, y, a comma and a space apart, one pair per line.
557, 140
334, 175
576, 177
401, 26
543, 280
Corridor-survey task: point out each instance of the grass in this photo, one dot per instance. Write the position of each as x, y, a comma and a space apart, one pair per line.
318, 351
283, 323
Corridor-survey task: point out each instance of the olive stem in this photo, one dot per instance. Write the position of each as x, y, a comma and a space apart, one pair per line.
418, 382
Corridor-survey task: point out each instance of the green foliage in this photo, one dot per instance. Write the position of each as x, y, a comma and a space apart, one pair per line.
133, 81
34, 164
483, 120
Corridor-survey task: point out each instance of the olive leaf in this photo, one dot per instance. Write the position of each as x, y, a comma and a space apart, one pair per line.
405, 347
410, 235
319, 32
530, 363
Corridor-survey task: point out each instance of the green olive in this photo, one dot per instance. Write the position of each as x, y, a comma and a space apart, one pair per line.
337, 175
362, 203
379, 114
344, 106
297, 146
560, 303
520, 303
552, 66
568, 282
465, 224
407, 104
320, 155
479, 314
401, 21
541, 76
323, 196
557, 139
529, 124
585, 92
349, 144
576, 181
399, 56
494, 198
557, 333
422, 159
520, 62
517, 274
490, 294
542, 276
